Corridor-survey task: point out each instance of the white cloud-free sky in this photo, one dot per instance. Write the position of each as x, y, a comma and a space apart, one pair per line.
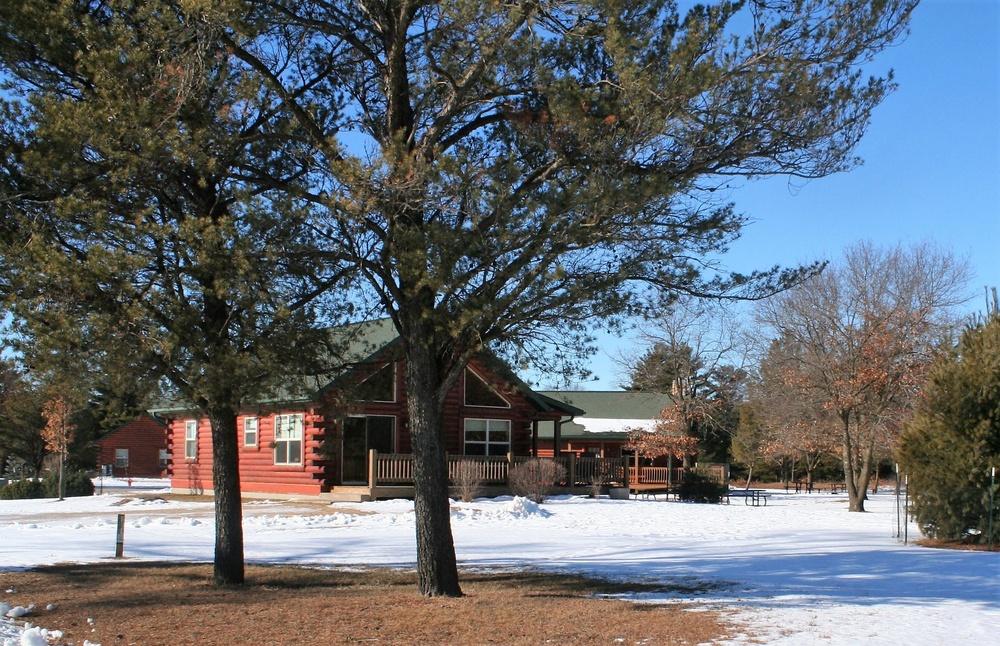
931, 157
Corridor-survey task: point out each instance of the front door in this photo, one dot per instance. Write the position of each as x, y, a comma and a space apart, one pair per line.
362, 434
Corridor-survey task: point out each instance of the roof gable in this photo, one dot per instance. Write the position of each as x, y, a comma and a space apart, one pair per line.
364, 346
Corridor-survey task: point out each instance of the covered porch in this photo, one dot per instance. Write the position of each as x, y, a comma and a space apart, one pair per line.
390, 475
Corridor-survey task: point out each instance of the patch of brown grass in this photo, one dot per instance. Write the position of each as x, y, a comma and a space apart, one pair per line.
955, 545
170, 604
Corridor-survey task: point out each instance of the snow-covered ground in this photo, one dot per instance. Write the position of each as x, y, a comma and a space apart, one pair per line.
801, 570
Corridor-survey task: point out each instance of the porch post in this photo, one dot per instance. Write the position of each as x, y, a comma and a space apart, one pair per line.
534, 438
571, 477
372, 459
556, 437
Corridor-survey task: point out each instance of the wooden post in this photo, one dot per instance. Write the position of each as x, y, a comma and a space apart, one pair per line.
120, 539
372, 471
571, 477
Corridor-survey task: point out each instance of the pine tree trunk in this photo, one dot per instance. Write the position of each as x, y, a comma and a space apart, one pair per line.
437, 566
229, 560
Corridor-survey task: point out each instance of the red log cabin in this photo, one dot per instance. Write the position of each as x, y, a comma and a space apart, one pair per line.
324, 443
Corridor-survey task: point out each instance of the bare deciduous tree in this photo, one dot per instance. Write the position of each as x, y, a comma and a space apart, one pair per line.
856, 341
58, 433
696, 355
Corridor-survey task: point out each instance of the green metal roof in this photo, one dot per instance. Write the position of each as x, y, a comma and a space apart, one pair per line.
613, 404
609, 414
358, 345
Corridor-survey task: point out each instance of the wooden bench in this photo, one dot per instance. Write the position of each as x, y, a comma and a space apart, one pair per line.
751, 497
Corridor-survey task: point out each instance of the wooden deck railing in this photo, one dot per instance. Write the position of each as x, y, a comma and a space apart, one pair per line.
667, 475
397, 468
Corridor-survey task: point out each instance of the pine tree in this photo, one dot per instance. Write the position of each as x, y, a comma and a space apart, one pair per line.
144, 231
506, 174
948, 450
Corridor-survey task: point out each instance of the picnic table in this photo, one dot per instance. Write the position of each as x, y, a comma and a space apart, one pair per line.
799, 486
647, 489
751, 497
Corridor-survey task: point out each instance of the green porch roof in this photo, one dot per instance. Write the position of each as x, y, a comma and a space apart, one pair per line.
608, 414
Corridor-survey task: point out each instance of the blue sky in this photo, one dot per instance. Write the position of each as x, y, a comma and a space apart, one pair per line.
931, 167
931, 157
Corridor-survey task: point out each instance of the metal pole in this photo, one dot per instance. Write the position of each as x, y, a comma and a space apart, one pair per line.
897, 500
993, 474
906, 511
120, 540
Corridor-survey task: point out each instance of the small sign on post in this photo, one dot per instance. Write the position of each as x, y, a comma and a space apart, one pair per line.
120, 539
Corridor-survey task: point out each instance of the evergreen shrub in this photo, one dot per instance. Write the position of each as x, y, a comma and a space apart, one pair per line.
953, 441
22, 490
77, 483
698, 488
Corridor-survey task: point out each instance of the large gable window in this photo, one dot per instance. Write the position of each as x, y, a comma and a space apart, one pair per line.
288, 439
487, 436
479, 393
380, 387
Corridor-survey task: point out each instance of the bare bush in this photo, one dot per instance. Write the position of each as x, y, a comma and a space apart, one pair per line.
468, 480
597, 482
534, 479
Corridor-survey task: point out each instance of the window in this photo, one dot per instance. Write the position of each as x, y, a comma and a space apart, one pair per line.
164, 458
380, 387
288, 439
487, 437
191, 439
250, 431
479, 393
121, 458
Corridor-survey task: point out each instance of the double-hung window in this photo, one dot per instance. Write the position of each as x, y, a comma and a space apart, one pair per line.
191, 439
288, 439
487, 436
249, 431
121, 458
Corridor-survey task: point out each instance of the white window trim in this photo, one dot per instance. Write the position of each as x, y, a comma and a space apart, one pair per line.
282, 420
256, 430
119, 454
487, 443
191, 439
